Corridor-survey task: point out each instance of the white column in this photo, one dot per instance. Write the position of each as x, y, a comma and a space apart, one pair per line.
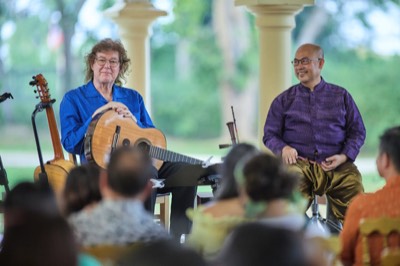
134, 19
275, 20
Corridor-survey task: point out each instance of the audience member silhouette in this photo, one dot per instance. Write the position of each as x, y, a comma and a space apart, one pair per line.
81, 189
120, 218
385, 202
166, 253
269, 192
40, 241
258, 244
212, 222
28, 200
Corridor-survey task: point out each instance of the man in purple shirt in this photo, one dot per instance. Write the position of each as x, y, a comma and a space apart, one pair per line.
316, 127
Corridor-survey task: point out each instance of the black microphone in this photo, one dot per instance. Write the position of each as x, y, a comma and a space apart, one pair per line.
5, 96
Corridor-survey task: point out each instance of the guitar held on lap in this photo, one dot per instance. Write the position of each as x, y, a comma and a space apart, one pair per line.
109, 130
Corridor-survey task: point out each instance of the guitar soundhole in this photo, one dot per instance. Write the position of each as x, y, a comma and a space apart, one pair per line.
143, 146
126, 143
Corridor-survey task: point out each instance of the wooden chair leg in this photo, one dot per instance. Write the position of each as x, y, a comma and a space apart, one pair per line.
163, 201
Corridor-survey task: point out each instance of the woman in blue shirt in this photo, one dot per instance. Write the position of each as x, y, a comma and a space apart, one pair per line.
106, 67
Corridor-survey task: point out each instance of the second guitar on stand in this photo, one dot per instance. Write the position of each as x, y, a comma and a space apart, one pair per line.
56, 169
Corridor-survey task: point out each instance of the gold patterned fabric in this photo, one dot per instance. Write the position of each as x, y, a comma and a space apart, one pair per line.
340, 185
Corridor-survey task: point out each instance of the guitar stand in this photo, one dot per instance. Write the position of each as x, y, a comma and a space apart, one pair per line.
40, 107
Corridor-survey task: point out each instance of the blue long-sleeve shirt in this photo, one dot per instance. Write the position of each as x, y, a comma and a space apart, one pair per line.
318, 123
78, 106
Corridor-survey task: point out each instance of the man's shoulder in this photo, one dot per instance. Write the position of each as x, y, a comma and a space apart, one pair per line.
362, 198
289, 92
365, 200
335, 88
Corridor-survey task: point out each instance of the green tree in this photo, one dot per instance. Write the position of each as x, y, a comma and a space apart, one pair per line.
209, 56
69, 10
185, 72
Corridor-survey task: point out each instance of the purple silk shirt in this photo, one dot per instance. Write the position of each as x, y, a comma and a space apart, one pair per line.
318, 123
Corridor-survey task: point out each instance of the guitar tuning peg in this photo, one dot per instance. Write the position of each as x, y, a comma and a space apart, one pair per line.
35, 91
37, 97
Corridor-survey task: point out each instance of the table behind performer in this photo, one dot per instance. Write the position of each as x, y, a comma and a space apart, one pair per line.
106, 67
316, 127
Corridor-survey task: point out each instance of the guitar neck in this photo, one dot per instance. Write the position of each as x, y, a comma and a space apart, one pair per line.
55, 137
170, 156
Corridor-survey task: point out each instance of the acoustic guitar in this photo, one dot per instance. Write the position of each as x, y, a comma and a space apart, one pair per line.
108, 130
58, 168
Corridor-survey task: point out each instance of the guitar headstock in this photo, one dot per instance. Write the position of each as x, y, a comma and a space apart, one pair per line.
41, 88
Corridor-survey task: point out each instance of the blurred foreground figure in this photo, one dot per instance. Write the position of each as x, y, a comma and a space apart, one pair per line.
383, 203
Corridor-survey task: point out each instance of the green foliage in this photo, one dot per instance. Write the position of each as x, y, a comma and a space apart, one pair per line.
198, 96
246, 66
28, 45
190, 16
345, 11
373, 81
197, 93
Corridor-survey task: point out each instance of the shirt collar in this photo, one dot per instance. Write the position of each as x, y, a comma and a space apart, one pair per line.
319, 86
119, 93
91, 91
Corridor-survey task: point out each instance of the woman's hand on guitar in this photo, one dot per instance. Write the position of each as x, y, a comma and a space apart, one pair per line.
125, 112
120, 108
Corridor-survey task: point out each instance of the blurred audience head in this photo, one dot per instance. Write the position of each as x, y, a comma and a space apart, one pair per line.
228, 188
389, 152
258, 244
129, 172
28, 200
267, 178
166, 253
264, 178
43, 241
81, 188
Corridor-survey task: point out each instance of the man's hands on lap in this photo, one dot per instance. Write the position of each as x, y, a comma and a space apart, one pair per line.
333, 161
289, 155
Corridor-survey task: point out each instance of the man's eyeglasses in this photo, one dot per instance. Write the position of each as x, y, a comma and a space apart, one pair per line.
304, 61
102, 62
